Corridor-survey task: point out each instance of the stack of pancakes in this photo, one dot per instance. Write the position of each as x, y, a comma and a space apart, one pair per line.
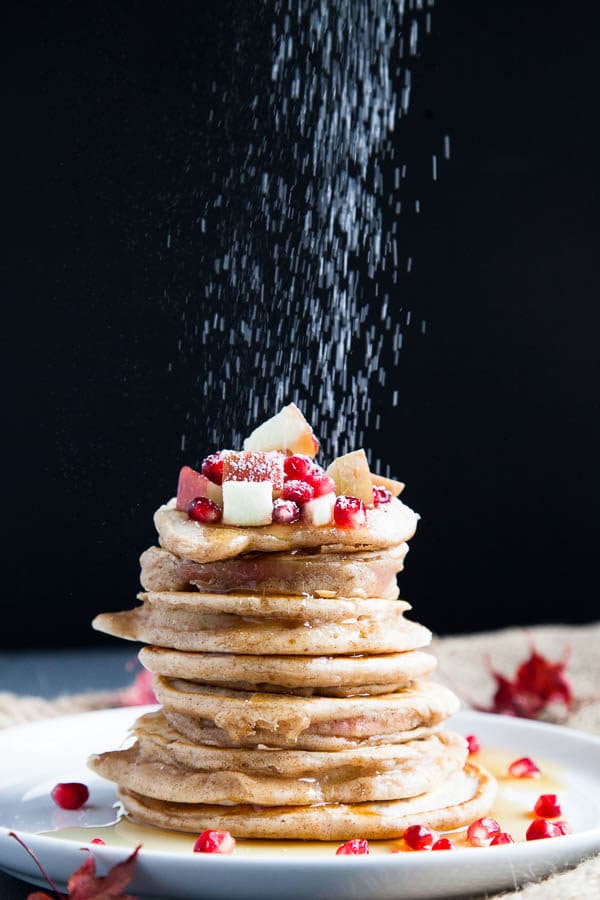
294, 692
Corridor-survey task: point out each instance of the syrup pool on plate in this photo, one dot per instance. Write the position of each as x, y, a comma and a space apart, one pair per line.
513, 809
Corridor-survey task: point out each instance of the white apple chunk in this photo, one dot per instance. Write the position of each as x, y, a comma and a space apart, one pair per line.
394, 487
247, 502
352, 476
287, 431
320, 510
214, 492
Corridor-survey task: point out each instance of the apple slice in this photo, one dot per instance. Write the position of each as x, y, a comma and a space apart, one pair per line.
254, 465
320, 510
288, 431
247, 502
394, 487
191, 485
352, 476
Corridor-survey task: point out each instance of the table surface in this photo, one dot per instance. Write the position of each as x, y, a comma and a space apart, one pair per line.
49, 673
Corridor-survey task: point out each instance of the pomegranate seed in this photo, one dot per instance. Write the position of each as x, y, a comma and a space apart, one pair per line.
547, 806
381, 495
298, 491
473, 743
297, 467
357, 847
285, 512
540, 828
349, 512
524, 768
501, 838
212, 467
418, 837
322, 484
563, 826
70, 795
98, 841
443, 844
204, 510
215, 842
481, 832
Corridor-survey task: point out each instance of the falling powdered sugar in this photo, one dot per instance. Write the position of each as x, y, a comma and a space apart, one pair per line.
302, 301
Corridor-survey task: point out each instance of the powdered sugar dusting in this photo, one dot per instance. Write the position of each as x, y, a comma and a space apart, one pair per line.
302, 303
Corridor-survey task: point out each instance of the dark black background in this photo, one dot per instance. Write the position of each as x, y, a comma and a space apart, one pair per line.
496, 435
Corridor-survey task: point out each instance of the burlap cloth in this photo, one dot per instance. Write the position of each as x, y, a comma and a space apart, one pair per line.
461, 667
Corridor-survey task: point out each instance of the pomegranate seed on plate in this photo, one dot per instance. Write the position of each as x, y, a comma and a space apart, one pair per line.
443, 844
481, 832
381, 495
349, 512
98, 841
563, 826
356, 847
501, 838
540, 828
322, 484
204, 510
547, 806
212, 467
285, 512
298, 491
215, 842
417, 837
297, 467
70, 795
524, 768
473, 743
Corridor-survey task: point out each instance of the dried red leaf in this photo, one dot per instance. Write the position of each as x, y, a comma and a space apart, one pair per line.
537, 682
84, 884
141, 692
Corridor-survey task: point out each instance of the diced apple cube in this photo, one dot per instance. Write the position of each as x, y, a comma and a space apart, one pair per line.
394, 487
287, 431
254, 465
214, 492
352, 476
320, 510
247, 502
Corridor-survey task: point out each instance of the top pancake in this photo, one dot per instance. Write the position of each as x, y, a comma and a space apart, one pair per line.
387, 525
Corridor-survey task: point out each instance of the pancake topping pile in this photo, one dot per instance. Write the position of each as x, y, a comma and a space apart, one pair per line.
295, 693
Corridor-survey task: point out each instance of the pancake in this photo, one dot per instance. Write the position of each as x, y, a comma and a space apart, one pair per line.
462, 798
328, 676
160, 742
202, 731
281, 720
271, 607
388, 525
298, 572
180, 772
268, 624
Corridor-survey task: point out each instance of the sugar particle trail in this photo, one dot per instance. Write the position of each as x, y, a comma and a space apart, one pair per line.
302, 300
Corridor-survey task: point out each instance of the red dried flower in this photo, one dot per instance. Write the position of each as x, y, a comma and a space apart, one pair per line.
141, 692
537, 682
84, 884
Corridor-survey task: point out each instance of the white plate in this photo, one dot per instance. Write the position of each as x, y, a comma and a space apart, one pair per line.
34, 757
